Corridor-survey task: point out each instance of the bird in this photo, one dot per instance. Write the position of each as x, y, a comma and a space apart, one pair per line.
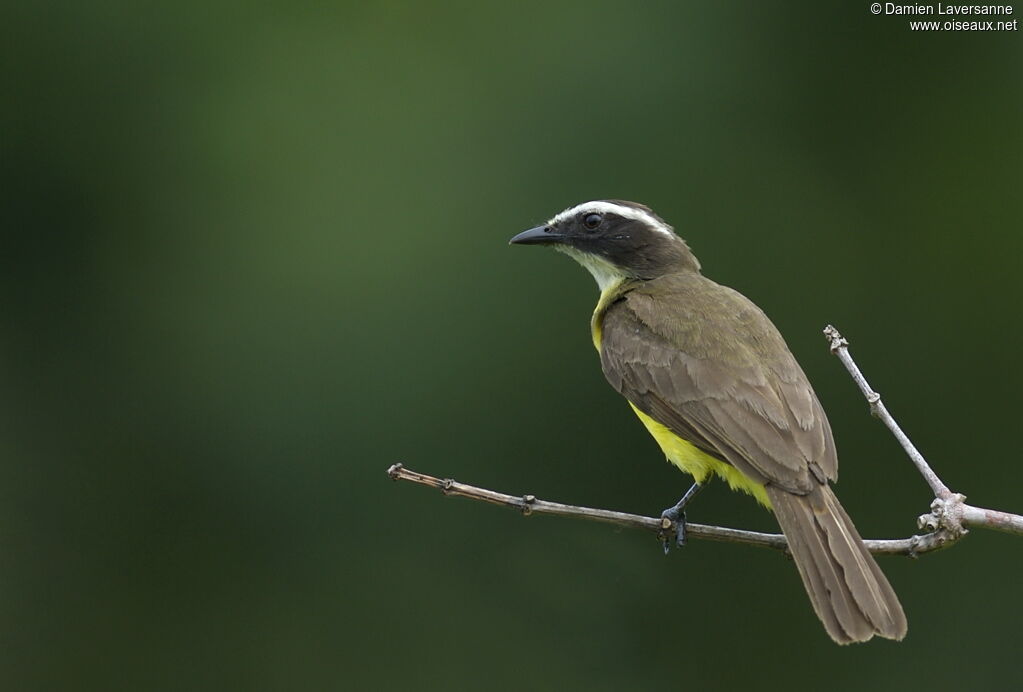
713, 381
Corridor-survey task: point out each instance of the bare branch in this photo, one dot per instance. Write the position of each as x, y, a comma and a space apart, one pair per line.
840, 347
529, 504
949, 512
946, 523
992, 519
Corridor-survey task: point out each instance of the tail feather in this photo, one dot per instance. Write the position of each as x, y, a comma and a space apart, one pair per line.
849, 593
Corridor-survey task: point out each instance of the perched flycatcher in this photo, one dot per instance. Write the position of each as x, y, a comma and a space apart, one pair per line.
713, 381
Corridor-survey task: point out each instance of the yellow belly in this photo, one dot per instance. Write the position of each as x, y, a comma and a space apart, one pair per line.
698, 463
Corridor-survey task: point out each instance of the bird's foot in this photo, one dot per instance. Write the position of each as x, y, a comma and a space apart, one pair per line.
676, 516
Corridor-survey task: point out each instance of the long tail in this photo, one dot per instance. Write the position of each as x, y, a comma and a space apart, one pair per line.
849, 592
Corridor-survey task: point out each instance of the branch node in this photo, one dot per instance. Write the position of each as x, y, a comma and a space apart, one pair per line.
946, 518
446, 485
950, 509
874, 401
911, 551
527, 504
927, 522
667, 529
837, 341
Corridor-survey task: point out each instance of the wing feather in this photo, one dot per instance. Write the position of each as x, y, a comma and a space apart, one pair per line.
741, 398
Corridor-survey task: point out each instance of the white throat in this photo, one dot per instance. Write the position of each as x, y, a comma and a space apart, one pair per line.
604, 273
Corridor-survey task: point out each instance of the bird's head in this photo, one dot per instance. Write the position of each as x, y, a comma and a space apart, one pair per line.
614, 240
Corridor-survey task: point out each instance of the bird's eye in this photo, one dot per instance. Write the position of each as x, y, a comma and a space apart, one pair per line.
591, 221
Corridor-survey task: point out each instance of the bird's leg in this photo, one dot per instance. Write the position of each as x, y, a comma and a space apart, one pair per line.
677, 515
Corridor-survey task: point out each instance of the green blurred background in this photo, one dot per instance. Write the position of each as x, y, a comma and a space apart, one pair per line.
253, 256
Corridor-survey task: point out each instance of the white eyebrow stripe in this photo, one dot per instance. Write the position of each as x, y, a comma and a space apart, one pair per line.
601, 207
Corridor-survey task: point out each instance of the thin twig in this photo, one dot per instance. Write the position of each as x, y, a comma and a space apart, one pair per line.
840, 347
992, 519
529, 504
948, 512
